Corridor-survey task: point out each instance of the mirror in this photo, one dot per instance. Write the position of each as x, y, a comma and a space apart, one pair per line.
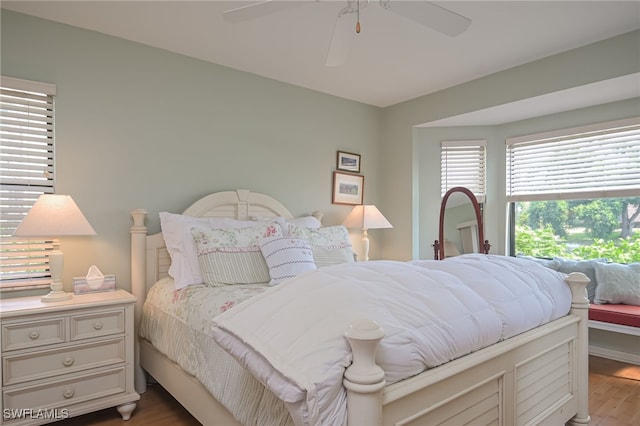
463, 222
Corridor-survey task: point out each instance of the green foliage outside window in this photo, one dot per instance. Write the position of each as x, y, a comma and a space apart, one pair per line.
544, 243
580, 229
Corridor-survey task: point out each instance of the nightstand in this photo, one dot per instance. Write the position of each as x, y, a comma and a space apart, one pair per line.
67, 358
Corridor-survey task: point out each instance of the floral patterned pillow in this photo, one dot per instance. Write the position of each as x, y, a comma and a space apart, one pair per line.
233, 256
330, 245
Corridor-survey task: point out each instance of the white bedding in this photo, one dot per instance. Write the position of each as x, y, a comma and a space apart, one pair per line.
292, 336
178, 324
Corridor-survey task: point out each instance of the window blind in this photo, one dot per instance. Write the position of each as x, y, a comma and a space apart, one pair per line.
597, 161
26, 172
462, 163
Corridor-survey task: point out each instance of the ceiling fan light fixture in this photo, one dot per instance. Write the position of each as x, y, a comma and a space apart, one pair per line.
423, 12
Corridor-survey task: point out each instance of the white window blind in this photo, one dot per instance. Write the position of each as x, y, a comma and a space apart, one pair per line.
598, 161
462, 163
26, 172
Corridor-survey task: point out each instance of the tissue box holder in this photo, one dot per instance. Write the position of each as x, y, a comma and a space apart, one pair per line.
80, 285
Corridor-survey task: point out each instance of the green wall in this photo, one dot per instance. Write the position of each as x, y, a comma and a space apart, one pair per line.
139, 127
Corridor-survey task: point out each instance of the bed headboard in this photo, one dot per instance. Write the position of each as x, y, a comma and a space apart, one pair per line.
150, 260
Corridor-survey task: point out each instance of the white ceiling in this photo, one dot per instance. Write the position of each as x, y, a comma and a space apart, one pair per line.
393, 59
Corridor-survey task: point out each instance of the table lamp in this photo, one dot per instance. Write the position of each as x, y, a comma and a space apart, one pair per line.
54, 216
366, 217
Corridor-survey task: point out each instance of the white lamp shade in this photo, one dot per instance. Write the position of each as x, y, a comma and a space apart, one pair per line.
366, 217
54, 215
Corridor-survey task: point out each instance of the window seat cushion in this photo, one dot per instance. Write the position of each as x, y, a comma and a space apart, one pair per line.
616, 314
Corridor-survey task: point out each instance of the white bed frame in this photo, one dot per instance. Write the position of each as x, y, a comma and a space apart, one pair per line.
538, 377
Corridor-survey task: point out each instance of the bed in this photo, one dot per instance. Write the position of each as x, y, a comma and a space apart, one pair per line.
539, 376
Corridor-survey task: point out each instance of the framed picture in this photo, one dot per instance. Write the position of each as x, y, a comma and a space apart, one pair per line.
348, 162
347, 188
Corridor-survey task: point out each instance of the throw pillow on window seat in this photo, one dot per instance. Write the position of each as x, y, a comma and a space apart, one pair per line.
618, 283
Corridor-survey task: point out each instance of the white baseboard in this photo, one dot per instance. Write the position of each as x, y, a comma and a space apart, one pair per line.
615, 355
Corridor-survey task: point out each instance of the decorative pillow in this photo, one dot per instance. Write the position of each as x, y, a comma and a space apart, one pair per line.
232, 256
302, 221
618, 283
176, 231
305, 222
330, 245
286, 257
587, 267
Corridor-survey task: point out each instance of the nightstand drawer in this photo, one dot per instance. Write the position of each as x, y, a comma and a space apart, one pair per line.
97, 324
33, 333
64, 393
27, 366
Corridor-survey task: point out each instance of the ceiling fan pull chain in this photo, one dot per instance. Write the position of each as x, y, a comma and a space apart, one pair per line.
358, 17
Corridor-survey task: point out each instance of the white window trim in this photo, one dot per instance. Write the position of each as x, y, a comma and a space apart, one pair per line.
28, 85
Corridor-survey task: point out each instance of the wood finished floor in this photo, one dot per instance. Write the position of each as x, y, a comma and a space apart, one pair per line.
613, 401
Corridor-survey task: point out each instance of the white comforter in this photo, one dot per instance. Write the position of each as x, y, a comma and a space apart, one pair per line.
292, 336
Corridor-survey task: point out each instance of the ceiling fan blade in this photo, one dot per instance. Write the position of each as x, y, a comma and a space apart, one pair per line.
342, 39
430, 15
259, 9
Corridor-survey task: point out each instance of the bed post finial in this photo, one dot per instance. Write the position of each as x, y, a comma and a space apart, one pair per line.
138, 285
364, 379
580, 306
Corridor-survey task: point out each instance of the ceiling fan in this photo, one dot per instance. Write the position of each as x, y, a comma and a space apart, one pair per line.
347, 23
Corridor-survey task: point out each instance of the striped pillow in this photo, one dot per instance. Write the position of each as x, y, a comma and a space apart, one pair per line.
232, 256
286, 257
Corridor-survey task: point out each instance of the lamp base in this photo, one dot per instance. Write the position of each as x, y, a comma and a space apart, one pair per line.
365, 245
56, 296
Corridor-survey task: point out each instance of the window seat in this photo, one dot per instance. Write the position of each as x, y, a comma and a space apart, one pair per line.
614, 323
614, 332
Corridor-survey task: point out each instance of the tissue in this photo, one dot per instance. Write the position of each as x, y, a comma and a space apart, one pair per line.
94, 277
94, 281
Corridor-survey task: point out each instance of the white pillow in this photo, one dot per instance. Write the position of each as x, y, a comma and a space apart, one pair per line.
331, 245
286, 257
233, 256
618, 283
176, 231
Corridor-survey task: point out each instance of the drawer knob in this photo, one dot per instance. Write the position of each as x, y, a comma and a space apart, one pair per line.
34, 335
68, 361
97, 325
68, 393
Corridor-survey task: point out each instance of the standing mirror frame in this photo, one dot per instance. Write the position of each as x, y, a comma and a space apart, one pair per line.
438, 245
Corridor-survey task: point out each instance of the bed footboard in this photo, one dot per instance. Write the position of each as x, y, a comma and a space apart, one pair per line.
539, 377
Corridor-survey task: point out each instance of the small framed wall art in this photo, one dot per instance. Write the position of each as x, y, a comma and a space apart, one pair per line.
348, 188
348, 162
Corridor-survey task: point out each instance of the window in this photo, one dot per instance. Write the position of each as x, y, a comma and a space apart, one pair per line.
576, 192
26, 172
462, 163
